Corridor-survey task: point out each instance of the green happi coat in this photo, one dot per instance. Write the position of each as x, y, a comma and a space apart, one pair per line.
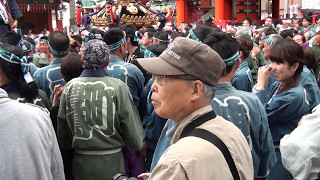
98, 114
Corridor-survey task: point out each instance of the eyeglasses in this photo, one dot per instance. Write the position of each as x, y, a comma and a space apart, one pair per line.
162, 79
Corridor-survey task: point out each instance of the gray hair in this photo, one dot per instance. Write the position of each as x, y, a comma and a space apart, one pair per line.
244, 32
209, 91
275, 37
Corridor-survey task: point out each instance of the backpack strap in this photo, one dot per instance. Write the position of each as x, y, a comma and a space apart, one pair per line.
190, 130
204, 134
197, 122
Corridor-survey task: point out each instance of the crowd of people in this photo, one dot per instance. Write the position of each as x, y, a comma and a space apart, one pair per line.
194, 102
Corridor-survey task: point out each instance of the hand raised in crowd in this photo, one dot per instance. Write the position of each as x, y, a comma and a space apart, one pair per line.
264, 74
57, 93
255, 51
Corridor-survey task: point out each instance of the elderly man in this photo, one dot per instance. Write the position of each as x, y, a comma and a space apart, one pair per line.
185, 77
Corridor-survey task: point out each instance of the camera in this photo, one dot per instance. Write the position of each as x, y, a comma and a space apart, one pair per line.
121, 176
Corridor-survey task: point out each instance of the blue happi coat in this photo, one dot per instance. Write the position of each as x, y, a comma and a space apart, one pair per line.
284, 110
309, 83
242, 79
245, 110
132, 76
49, 76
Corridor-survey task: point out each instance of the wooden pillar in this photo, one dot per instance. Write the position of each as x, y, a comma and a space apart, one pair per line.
219, 10
205, 3
49, 18
180, 12
227, 9
275, 9
186, 12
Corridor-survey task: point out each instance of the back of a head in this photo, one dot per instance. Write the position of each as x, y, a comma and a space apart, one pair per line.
113, 36
11, 38
59, 43
177, 34
287, 33
97, 31
157, 49
96, 54
244, 32
309, 58
29, 40
130, 31
13, 71
244, 46
71, 66
275, 38
202, 30
77, 38
162, 37
269, 30
224, 44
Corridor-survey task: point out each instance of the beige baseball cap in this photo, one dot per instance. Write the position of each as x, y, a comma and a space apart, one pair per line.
185, 56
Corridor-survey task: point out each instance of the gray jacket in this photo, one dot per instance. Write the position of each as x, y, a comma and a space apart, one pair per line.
29, 148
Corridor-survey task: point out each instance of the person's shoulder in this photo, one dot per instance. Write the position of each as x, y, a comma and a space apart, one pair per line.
42, 94
196, 154
132, 67
115, 81
220, 127
249, 96
297, 90
239, 94
108, 80
192, 153
42, 69
29, 109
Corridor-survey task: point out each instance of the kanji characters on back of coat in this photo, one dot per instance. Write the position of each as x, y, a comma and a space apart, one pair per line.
97, 117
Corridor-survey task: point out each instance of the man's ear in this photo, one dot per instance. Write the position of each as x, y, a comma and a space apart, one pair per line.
198, 89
